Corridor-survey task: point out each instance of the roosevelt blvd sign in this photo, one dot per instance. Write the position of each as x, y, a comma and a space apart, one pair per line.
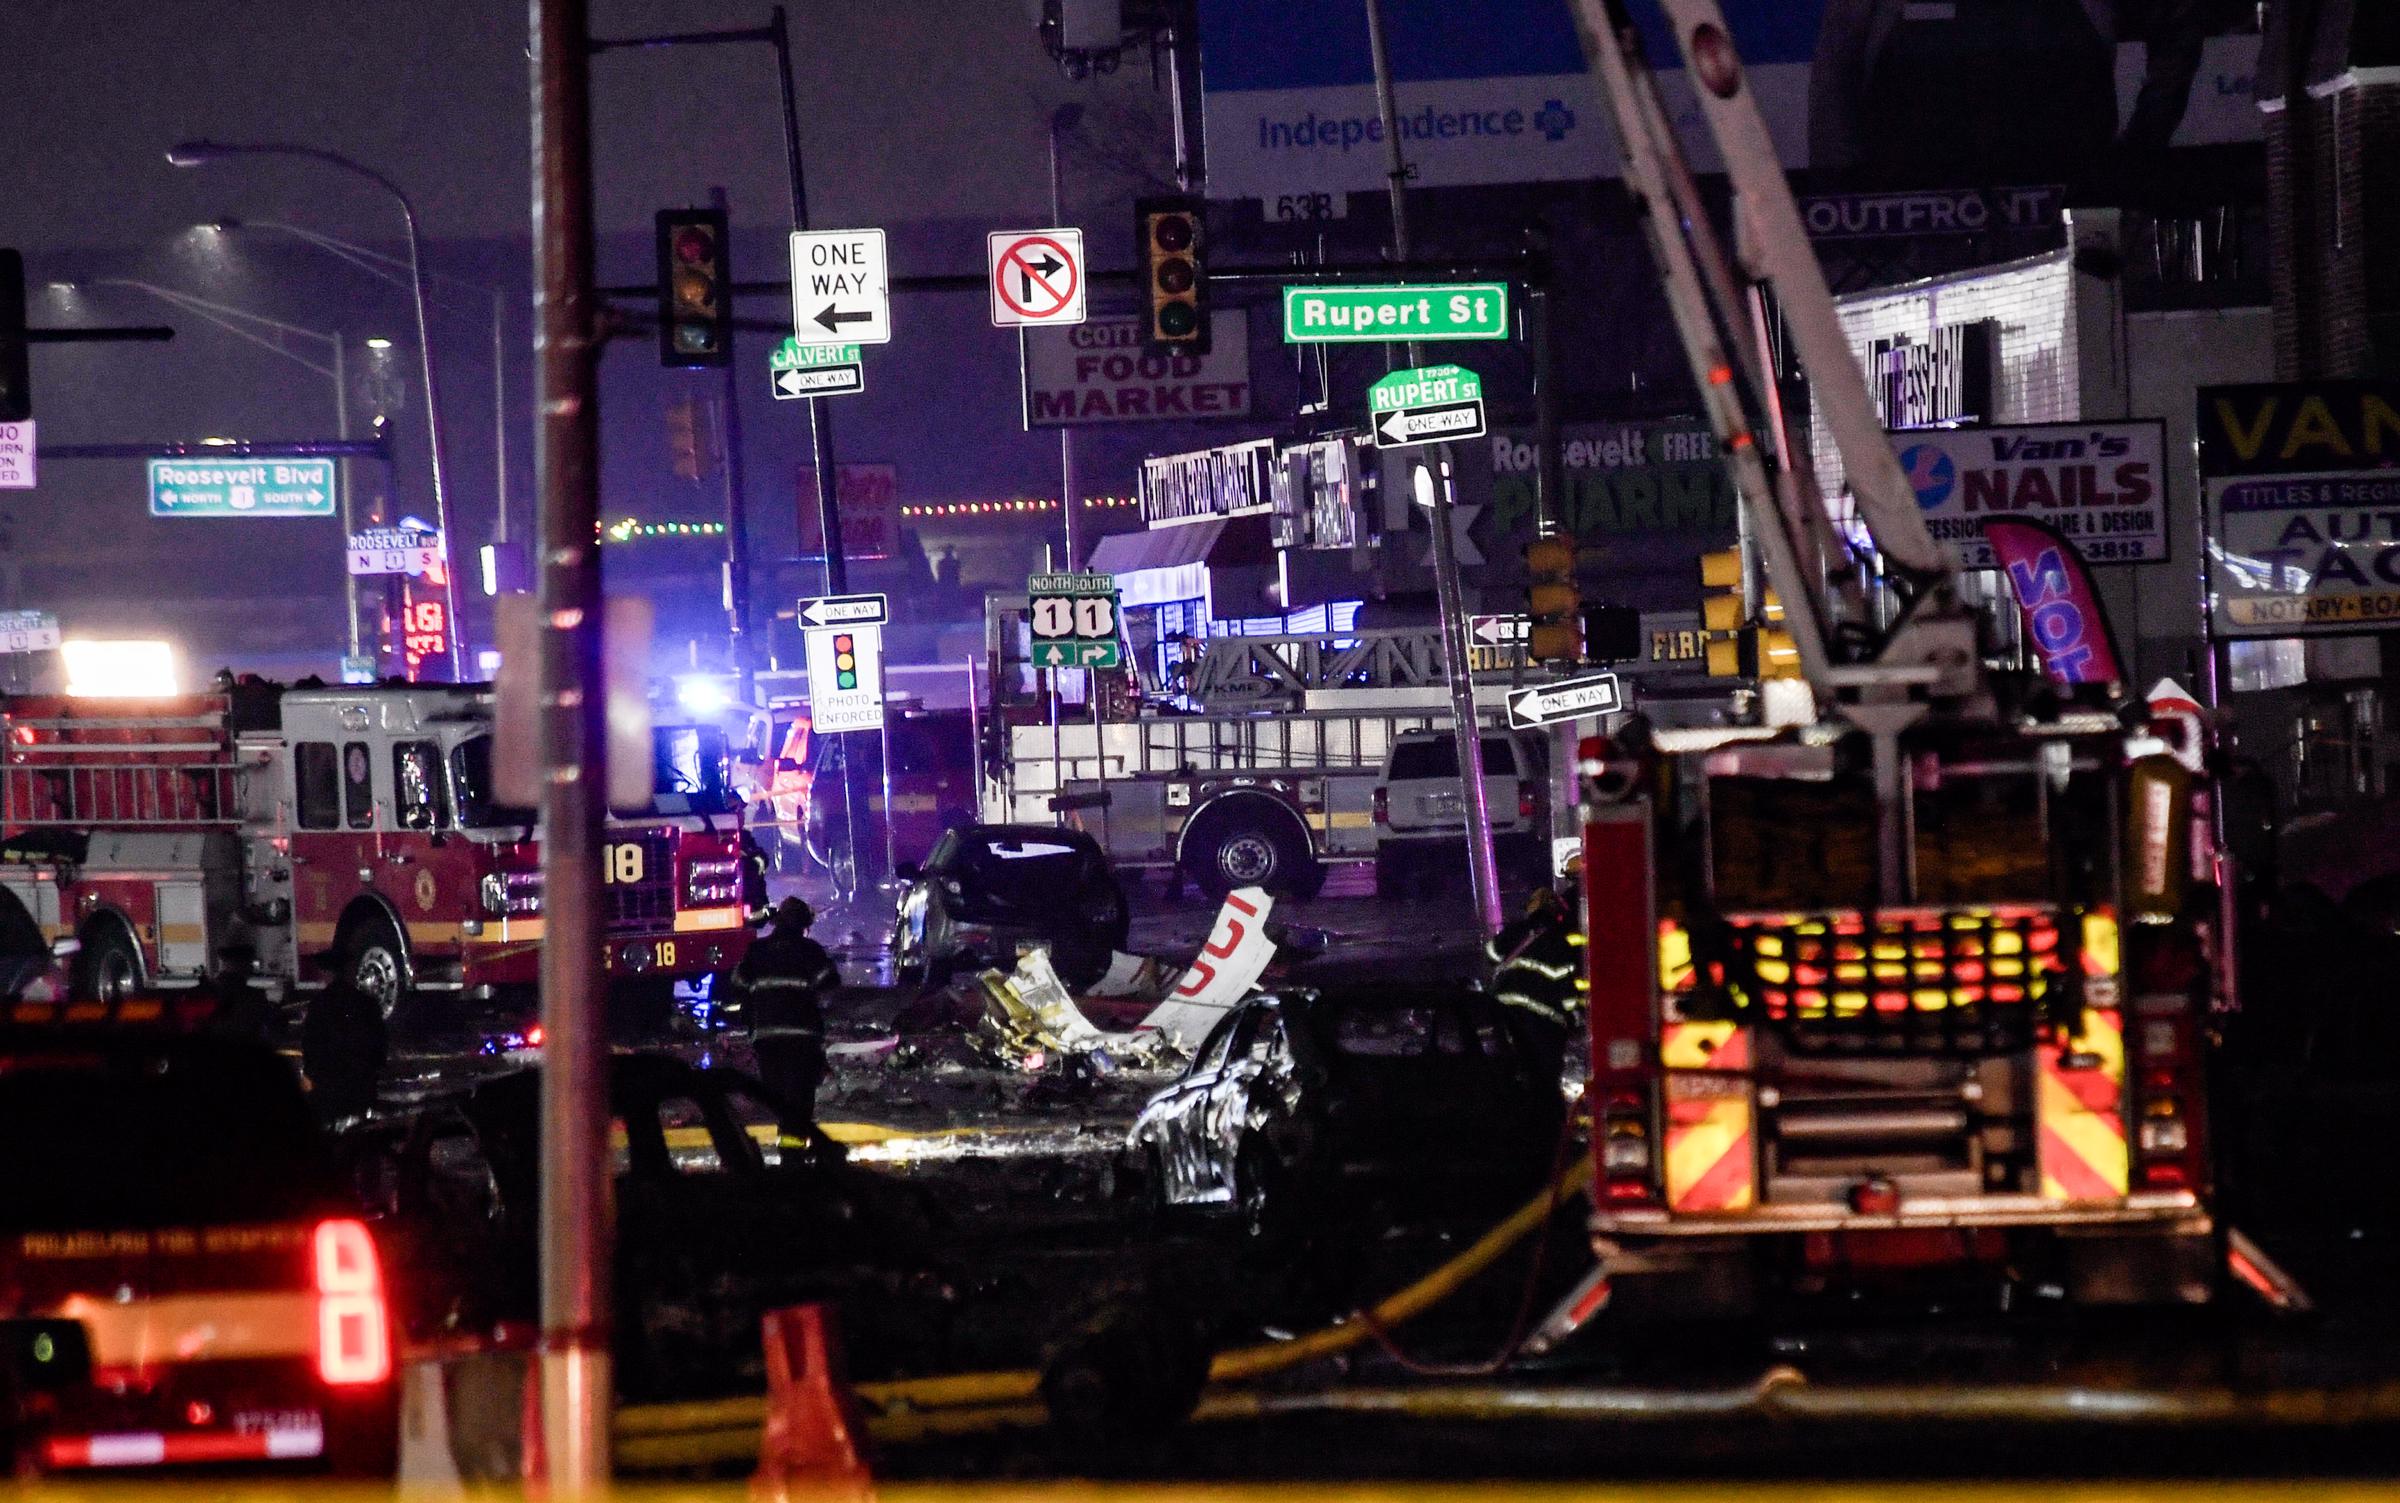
1426, 405
1344, 315
204, 486
1577, 698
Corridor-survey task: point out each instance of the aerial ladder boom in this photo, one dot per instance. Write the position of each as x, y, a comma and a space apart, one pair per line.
1888, 672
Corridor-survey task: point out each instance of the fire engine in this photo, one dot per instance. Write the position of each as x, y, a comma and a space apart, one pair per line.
1916, 969
343, 832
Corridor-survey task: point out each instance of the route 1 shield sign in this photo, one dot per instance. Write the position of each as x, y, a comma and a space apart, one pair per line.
1073, 620
1037, 277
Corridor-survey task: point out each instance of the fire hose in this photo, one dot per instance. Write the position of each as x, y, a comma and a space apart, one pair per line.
960, 1403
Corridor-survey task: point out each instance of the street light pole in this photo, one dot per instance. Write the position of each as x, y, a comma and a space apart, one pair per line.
393, 269
200, 153
271, 334
1437, 496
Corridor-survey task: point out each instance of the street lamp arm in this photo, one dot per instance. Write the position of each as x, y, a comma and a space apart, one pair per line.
201, 153
378, 264
235, 321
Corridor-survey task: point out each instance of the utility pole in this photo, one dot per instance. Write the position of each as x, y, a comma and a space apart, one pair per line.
577, 1237
1437, 495
820, 413
1070, 505
737, 523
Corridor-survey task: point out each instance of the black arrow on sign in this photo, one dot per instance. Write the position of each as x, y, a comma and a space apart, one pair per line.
832, 320
1047, 266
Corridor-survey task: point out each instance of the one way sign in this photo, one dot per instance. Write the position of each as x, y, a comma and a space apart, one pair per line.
841, 287
1576, 699
1426, 406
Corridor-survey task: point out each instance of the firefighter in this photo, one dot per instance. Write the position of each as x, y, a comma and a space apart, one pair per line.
1536, 970
343, 1046
243, 1010
780, 986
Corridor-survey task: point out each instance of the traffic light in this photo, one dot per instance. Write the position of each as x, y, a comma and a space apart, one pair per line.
695, 289
1723, 617
16, 378
1611, 633
845, 662
1552, 601
1738, 644
1171, 243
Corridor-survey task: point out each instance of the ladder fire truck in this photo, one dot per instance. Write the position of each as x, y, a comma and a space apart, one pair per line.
344, 832
1915, 971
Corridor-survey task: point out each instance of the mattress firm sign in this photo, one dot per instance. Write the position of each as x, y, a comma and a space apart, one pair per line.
2301, 487
2101, 485
1099, 371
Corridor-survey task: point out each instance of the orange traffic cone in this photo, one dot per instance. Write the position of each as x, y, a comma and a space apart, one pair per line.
810, 1446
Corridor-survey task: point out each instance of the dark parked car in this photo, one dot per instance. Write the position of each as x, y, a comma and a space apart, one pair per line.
722, 1214
1311, 1100
988, 888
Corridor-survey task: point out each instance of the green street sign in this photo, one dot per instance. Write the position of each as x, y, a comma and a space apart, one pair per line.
1073, 620
793, 355
814, 370
231, 487
1426, 406
1364, 315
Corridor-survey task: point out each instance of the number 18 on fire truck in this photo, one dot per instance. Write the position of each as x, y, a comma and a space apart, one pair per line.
341, 831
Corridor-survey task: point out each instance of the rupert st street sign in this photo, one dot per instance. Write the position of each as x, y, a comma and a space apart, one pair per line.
1425, 406
1344, 315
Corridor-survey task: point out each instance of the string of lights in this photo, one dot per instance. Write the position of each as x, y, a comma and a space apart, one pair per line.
938, 510
631, 529
628, 529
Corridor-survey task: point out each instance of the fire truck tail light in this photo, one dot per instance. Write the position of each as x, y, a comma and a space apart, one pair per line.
354, 1343
712, 883
2163, 1132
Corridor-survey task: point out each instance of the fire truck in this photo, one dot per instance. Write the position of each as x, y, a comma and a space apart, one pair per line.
345, 832
1915, 969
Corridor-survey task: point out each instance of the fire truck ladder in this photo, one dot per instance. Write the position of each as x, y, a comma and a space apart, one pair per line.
1873, 671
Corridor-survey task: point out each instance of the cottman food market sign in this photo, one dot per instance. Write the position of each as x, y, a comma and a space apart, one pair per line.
203, 487
1099, 372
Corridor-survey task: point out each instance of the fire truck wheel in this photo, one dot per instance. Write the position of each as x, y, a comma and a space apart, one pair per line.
1249, 843
108, 968
376, 962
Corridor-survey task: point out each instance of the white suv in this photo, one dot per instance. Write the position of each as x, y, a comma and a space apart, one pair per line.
1420, 809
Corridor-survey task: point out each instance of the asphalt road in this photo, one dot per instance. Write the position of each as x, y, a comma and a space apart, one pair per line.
1036, 1156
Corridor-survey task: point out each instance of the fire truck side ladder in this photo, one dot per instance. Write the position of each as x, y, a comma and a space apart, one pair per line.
1929, 651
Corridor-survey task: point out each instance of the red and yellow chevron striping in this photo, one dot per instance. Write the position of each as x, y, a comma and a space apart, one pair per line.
1711, 1141
2080, 1112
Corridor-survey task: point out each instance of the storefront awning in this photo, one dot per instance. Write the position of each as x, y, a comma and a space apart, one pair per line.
1172, 563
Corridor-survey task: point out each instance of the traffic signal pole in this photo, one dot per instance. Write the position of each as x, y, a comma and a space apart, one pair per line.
1438, 495
737, 522
576, 1215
